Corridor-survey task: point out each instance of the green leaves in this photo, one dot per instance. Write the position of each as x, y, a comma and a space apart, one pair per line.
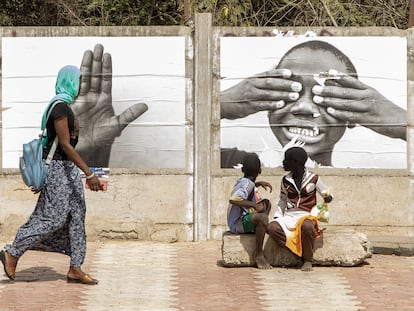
277, 13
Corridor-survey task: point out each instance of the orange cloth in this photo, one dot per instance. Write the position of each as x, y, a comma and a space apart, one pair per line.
294, 236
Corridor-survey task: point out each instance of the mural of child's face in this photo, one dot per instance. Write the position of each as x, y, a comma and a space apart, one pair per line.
303, 117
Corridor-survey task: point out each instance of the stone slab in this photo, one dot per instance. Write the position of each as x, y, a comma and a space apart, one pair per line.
333, 248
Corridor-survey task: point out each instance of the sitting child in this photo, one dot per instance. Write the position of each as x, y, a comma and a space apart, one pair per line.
293, 226
246, 213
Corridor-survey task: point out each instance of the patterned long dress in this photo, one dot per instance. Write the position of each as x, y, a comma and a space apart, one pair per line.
58, 222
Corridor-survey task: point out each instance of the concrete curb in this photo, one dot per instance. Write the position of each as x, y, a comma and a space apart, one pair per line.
392, 245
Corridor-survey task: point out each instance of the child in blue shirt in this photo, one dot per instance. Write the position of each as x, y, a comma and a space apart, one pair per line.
247, 213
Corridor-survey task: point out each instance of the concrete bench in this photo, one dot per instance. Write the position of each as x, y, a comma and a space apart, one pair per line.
334, 248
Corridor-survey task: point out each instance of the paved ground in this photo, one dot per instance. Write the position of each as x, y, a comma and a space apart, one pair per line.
187, 276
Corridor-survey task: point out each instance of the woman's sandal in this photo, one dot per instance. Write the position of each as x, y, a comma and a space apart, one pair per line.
85, 279
3, 260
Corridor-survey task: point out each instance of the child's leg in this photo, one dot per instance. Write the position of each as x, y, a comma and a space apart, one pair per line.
268, 206
308, 239
260, 221
275, 231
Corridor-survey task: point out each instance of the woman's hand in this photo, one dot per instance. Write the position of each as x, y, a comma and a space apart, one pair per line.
94, 183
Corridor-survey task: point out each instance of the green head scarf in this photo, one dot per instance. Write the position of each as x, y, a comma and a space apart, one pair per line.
67, 88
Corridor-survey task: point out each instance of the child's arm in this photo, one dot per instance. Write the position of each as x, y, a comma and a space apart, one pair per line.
281, 206
324, 191
264, 184
258, 207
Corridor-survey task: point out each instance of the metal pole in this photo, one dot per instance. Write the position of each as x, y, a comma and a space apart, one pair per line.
411, 16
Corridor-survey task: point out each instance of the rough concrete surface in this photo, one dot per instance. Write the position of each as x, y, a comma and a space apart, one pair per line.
333, 248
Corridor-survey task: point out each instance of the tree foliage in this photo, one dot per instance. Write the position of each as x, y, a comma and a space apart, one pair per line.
290, 13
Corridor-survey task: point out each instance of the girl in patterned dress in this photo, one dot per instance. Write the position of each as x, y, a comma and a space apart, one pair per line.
58, 221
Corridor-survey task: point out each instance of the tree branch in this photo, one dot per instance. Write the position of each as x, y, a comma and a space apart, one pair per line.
325, 6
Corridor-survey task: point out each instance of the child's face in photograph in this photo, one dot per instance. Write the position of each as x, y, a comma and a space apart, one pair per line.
310, 122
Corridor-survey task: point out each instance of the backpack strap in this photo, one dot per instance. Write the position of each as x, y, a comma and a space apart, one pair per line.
55, 142
51, 151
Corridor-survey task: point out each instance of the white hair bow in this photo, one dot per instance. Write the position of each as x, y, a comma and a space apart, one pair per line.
294, 142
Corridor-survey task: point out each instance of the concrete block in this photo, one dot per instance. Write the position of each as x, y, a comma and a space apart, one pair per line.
333, 248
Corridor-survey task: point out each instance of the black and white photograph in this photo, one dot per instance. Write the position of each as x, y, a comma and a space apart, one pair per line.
132, 113
343, 98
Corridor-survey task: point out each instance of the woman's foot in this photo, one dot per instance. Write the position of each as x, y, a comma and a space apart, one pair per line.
76, 275
9, 264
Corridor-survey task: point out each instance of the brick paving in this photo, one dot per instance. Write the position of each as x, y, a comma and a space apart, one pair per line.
204, 285
383, 284
41, 284
137, 275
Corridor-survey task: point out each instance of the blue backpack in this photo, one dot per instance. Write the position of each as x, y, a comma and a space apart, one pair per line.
32, 167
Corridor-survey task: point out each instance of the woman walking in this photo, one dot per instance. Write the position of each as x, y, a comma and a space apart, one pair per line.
58, 221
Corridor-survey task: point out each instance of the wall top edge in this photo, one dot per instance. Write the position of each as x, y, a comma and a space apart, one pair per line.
185, 30
320, 31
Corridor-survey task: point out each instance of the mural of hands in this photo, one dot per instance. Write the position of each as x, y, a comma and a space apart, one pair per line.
317, 91
267, 91
349, 99
99, 126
